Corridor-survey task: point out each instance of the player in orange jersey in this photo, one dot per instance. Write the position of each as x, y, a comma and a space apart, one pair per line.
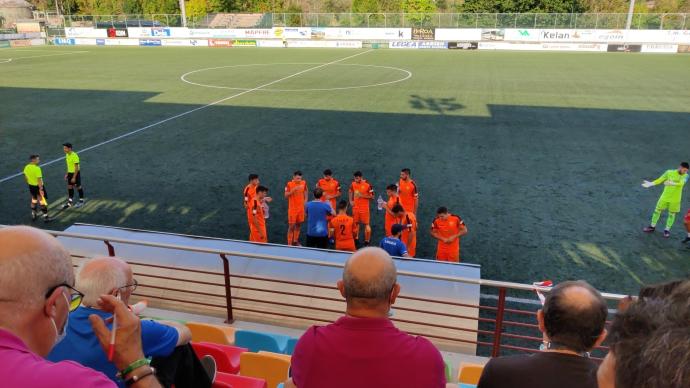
255, 214
407, 190
296, 193
409, 234
342, 229
360, 194
330, 187
393, 199
686, 221
447, 229
250, 189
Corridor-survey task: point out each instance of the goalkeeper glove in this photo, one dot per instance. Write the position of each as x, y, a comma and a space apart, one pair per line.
647, 184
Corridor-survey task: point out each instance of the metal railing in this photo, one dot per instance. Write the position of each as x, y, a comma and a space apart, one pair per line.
642, 21
500, 327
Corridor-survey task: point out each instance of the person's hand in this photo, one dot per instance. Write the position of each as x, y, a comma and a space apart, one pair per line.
73, 181
268, 199
647, 184
128, 346
65, 177
352, 203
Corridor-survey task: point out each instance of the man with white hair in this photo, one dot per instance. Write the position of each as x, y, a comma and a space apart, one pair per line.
37, 294
364, 348
112, 276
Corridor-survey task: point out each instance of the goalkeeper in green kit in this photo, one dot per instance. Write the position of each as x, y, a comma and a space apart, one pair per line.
674, 180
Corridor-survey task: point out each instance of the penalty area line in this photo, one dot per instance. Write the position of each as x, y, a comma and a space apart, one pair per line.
177, 116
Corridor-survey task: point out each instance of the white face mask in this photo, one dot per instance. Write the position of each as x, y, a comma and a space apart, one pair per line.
61, 336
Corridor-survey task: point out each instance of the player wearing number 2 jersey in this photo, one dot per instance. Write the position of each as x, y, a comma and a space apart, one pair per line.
342, 229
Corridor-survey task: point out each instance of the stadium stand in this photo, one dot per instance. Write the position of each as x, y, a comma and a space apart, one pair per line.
257, 341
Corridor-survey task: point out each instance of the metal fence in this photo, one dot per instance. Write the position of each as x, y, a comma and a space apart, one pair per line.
502, 327
651, 21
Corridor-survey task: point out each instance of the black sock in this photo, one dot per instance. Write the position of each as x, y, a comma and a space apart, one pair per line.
81, 193
70, 193
44, 209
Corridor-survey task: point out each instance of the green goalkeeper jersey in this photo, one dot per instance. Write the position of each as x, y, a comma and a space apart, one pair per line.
672, 193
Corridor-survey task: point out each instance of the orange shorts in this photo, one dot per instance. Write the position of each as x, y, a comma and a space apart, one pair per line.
412, 248
296, 217
345, 245
255, 236
448, 253
361, 216
687, 217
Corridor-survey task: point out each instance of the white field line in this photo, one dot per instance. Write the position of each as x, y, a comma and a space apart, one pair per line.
177, 116
7, 60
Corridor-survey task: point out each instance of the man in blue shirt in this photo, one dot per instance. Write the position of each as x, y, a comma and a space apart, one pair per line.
113, 276
317, 220
393, 245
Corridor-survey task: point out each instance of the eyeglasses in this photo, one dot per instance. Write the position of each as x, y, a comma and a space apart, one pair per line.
75, 296
132, 286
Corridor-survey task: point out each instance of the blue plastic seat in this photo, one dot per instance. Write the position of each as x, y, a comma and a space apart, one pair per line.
461, 385
256, 341
281, 385
292, 342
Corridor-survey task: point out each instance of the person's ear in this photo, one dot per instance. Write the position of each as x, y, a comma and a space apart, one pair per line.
540, 321
601, 338
395, 293
341, 288
50, 305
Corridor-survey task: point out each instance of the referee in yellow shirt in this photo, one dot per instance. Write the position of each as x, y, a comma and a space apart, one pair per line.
73, 176
39, 197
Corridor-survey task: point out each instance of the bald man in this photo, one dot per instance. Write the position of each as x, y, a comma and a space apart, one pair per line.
36, 296
113, 276
363, 348
572, 324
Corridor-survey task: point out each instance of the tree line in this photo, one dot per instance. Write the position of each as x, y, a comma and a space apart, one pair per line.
201, 7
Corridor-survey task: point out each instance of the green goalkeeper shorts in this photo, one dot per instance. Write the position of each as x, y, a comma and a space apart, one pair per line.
672, 207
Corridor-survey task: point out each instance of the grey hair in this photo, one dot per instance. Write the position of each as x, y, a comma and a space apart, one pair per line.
26, 278
377, 288
94, 283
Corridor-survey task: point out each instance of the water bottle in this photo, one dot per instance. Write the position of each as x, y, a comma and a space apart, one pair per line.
266, 210
379, 203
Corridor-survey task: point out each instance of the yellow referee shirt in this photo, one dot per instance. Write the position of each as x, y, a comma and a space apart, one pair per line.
72, 158
32, 173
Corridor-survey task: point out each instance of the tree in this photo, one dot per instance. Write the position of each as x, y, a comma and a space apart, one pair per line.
196, 9
418, 6
365, 6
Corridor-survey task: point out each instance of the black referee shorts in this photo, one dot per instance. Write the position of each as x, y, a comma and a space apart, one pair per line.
35, 192
77, 181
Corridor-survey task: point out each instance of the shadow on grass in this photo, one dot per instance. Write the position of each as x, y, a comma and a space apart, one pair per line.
546, 192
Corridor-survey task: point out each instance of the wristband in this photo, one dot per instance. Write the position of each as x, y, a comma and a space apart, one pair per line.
133, 379
136, 364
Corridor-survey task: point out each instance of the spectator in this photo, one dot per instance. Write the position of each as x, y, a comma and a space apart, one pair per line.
650, 341
35, 300
317, 221
364, 348
572, 322
112, 276
393, 245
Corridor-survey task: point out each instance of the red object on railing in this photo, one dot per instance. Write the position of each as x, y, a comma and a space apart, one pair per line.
111, 249
498, 329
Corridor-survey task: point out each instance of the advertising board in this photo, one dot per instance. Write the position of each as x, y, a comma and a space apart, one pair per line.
185, 42
117, 32
121, 42
463, 45
659, 48
64, 41
269, 43
368, 33
38, 42
86, 41
292, 32
85, 32
20, 43
684, 48
459, 34
417, 44
324, 43
597, 47
419, 33
4, 43
219, 43
624, 48
150, 42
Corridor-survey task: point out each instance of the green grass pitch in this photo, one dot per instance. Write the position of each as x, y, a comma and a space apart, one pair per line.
541, 153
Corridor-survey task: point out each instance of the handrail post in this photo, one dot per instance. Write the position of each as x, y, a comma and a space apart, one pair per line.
500, 309
228, 295
111, 248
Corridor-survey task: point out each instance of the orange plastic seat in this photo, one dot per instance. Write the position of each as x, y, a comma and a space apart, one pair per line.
264, 366
204, 332
469, 373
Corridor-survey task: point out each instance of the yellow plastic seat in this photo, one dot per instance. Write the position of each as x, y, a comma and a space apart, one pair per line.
469, 373
204, 332
285, 357
264, 366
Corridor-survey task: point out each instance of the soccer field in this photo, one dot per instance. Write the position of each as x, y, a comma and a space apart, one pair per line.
542, 154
